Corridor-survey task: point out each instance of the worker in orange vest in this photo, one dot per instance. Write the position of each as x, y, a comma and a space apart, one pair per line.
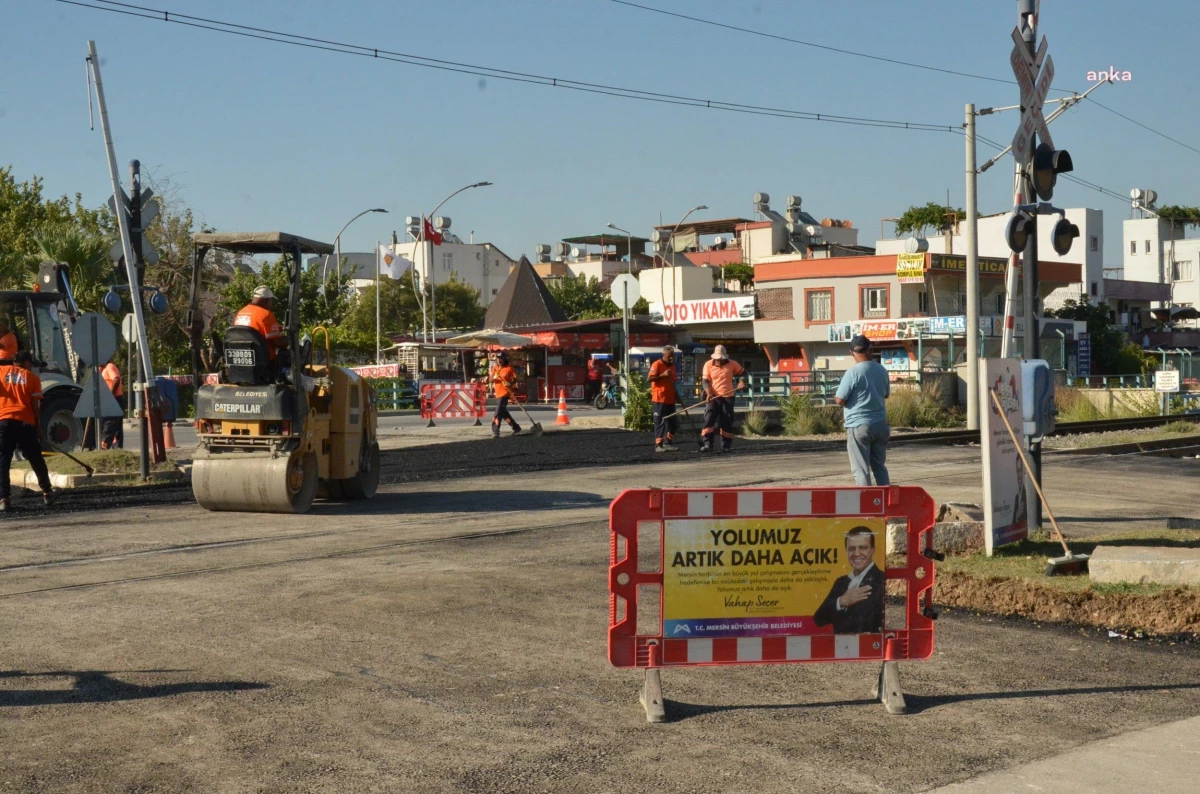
113, 430
258, 315
663, 398
718, 381
20, 420
504, 381
8, 342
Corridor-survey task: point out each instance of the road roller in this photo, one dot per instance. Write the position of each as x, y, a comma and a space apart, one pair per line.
277, 431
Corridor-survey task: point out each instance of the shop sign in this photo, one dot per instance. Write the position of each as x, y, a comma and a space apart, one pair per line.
959, 263
1004, 490
910, 268
1084, 355
713, 310
894, 359
875, 330
948, 325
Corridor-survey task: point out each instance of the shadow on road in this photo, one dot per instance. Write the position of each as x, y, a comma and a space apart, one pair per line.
471, 501
98, 686
677, 711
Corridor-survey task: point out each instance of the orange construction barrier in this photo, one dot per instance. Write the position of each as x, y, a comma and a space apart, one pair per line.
168, 436
562, 419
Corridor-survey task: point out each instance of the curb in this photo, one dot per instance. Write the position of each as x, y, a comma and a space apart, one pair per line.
58, 480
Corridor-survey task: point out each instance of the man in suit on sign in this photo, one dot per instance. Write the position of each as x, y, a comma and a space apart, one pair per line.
856, 601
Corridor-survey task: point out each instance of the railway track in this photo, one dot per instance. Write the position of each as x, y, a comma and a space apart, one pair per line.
1061, 429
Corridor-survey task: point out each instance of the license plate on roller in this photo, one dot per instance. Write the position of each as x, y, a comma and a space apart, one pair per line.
240, 358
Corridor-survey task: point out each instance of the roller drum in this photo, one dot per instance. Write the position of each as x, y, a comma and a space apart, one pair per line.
255, 483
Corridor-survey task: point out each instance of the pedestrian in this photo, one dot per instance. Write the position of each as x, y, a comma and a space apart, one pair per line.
663, 397
20, 420
718, 381
8, 342
862, 393
504, 379
113, 430
595, 380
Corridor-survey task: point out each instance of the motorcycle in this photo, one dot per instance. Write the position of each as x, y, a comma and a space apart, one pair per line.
609, 395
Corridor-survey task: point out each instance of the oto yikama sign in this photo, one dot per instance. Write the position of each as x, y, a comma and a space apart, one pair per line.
713, 310
1004, 491
772, 577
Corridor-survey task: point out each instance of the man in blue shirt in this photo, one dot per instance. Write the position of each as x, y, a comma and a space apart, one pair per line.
862, 393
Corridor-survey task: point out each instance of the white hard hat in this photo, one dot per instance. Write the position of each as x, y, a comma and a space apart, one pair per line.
719, 353
263, 291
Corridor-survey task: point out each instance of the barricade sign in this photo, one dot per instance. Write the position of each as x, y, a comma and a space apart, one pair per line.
453, 401
768, 576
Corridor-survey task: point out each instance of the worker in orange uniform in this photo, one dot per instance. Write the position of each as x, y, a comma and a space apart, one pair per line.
20, 418
718, 377
504, 381
258, 315
8, 342
112, 432
663, 397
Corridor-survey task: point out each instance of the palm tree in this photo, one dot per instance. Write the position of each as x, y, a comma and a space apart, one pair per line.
86, 258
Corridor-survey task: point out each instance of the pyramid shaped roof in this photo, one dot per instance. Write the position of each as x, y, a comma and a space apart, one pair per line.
524, 300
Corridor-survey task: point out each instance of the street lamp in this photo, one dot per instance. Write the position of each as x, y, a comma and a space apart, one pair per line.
431, 274
670, 247
628, 234
337, 243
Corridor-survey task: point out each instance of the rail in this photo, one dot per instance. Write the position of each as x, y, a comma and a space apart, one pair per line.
395, 394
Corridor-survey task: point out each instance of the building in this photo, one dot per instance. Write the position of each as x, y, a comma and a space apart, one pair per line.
1157, 250
808, 309
357, 266
573, 257
480, 265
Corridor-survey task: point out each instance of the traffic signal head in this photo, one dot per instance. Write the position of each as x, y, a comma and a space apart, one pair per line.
1064, 234
111, 301
1047, 165
1020, 226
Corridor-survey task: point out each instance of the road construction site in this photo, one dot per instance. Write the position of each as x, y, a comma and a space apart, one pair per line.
449, 635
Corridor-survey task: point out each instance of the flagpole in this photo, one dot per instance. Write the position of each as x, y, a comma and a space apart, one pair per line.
378, 359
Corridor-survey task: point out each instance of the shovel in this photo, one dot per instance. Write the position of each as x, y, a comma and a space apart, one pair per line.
1055, 566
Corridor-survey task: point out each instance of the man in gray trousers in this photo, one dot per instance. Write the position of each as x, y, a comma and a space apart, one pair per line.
862, 393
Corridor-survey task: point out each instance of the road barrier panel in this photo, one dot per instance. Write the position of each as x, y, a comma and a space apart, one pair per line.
767, 576
453, 401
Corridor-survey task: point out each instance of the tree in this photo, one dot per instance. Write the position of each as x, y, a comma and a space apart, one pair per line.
86, 256
932, 216
1106, 341
25, 217
400, 311
740, 272
582, 298
1185, 216
316, 306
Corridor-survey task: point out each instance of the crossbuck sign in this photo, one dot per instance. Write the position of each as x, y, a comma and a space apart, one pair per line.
1034, 87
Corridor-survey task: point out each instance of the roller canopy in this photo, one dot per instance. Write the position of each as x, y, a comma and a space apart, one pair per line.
260, 242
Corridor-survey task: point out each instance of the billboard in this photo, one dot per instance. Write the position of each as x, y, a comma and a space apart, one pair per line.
731, 308
1004, 489
772, 576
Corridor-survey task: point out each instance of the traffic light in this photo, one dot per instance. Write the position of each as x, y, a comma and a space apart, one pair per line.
1063, 235
1020, 227
1048, 163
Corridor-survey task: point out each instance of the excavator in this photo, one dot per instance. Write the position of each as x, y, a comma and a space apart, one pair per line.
277, 432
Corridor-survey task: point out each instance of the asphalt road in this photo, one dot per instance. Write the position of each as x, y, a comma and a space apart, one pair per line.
449, 636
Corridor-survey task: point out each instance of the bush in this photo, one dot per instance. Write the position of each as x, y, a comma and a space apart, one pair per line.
1181, 427
1074, 407
802, 417
638, 410
919, 408
755, 423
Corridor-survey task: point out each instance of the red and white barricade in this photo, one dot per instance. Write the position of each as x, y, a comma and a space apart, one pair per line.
768, 576
453, 401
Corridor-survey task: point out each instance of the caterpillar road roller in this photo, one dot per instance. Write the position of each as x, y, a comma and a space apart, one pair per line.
278, 429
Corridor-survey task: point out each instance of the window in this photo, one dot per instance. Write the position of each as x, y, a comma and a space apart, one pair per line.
496, 292
922, 303
1147, 246
447, 261
819, 305
874, 301
1000, 303
1095, 243
1095, 289
1133, 247
1181, 271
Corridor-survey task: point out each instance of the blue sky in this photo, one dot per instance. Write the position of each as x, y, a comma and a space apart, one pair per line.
265, 136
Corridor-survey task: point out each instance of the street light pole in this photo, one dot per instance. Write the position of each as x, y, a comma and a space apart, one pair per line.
337, 243
670, 248
429, 261
629, 236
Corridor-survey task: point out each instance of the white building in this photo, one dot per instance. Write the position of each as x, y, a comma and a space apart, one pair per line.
1087, 251
1156, 250
481, 265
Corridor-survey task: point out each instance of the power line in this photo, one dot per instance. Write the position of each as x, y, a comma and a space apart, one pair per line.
1069, 177
881, 58
327, 45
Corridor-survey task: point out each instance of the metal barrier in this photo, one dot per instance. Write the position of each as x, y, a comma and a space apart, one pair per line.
395, 394
453, 401
821, 385
1112, 382
757, 576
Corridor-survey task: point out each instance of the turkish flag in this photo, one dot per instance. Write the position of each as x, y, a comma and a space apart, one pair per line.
431, 233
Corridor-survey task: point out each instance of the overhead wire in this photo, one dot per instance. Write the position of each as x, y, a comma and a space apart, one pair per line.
894, 61
328, 45
1069, 177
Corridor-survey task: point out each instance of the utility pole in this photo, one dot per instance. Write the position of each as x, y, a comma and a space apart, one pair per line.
135, 242
1027, 21
971, 239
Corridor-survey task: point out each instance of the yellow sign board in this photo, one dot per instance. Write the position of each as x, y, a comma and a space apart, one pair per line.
910, 268
772, 576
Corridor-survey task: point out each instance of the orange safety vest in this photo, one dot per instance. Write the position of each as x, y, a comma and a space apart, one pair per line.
112, 376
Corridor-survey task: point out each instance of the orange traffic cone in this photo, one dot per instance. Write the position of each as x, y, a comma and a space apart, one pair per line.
168, 436
562, 408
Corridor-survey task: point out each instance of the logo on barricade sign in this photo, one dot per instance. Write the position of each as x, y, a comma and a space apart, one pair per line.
752, 576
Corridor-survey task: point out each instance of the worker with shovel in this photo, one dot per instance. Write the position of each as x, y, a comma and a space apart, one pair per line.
663, 398
504, 379
717, 378
20, 418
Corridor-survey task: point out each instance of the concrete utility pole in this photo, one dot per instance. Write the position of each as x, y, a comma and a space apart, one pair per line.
971, 239
1027, 21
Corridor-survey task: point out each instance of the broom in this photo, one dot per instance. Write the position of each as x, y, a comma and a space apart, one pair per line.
1069, 563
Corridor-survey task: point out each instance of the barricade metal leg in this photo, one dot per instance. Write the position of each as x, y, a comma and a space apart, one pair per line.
887, 689
652, 697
